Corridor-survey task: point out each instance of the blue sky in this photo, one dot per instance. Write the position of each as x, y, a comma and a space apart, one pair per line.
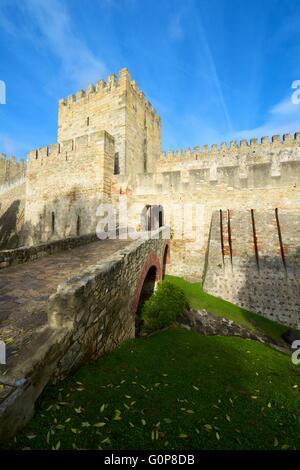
215, 70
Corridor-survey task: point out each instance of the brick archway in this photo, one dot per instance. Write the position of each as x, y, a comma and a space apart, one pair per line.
160, 272
151, 261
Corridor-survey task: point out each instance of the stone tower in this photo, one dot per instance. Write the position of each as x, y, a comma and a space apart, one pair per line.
122, 110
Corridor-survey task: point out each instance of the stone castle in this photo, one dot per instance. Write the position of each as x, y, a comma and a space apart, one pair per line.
109, 146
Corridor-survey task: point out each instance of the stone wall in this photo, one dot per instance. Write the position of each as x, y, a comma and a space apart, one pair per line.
253, 261
64, 186
261, 176
24, 254
12, 202
233, 154
11, 169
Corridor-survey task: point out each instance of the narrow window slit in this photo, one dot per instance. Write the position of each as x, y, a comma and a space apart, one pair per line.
116, 164
53, 223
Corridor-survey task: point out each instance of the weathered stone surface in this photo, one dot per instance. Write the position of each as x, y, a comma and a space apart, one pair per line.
208, 324
23, 254
259, 269
87, 315
109, 146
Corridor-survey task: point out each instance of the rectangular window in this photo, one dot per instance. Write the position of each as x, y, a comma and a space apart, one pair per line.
117, 164
53, 223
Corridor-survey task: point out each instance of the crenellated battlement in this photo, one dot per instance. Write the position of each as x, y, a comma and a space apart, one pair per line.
113, 84
224, 149
121, 108
11, 169
70, 148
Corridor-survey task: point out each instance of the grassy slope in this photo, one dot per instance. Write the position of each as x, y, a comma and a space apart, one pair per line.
199, 299
174, 390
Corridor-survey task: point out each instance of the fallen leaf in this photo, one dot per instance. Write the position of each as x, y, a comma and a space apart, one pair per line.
117, 416
208, 427
85, 424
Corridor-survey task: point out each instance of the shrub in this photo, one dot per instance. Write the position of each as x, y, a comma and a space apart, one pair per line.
162, 308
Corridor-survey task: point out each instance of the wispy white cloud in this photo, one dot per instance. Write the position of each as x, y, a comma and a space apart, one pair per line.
48, 23
176, 30
213, 71
55, 25
10, 146
282, 118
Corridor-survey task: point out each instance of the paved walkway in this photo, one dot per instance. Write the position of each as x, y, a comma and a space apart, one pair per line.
25, 288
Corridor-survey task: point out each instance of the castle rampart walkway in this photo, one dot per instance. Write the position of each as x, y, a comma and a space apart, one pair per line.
25, 289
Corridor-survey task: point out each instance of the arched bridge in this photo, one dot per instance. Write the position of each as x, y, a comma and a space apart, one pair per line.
64, 303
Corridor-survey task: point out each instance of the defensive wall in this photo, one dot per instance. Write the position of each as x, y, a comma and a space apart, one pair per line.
248, 176
109, 146
12, 200
253, 261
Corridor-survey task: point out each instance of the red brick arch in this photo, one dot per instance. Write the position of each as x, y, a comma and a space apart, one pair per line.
151, 261
166, 259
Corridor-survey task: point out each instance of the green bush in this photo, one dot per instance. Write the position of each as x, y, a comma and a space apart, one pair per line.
162, 308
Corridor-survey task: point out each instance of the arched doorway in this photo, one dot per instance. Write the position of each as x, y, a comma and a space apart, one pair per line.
152, 217
146, 218
146, 292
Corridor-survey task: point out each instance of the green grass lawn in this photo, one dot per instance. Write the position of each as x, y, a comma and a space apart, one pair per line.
173, 390
198, 299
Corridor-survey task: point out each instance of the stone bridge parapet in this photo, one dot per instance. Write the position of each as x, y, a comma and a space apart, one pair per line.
88, 315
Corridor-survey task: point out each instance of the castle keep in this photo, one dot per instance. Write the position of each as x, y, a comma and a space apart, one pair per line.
109, 145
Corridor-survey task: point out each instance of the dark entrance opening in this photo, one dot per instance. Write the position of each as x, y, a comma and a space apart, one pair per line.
146, 219
166, 260
52, 223
152, 218
161, 216
146, 292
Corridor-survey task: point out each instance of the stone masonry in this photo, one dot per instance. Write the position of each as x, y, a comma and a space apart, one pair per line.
109, 147
60, 311
253, 261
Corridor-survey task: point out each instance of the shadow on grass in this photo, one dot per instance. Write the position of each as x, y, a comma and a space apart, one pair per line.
174, 390
198, 299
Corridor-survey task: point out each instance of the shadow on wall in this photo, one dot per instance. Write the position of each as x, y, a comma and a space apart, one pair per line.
253, 261
69, 216
9, 237
146, 292
269, 286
